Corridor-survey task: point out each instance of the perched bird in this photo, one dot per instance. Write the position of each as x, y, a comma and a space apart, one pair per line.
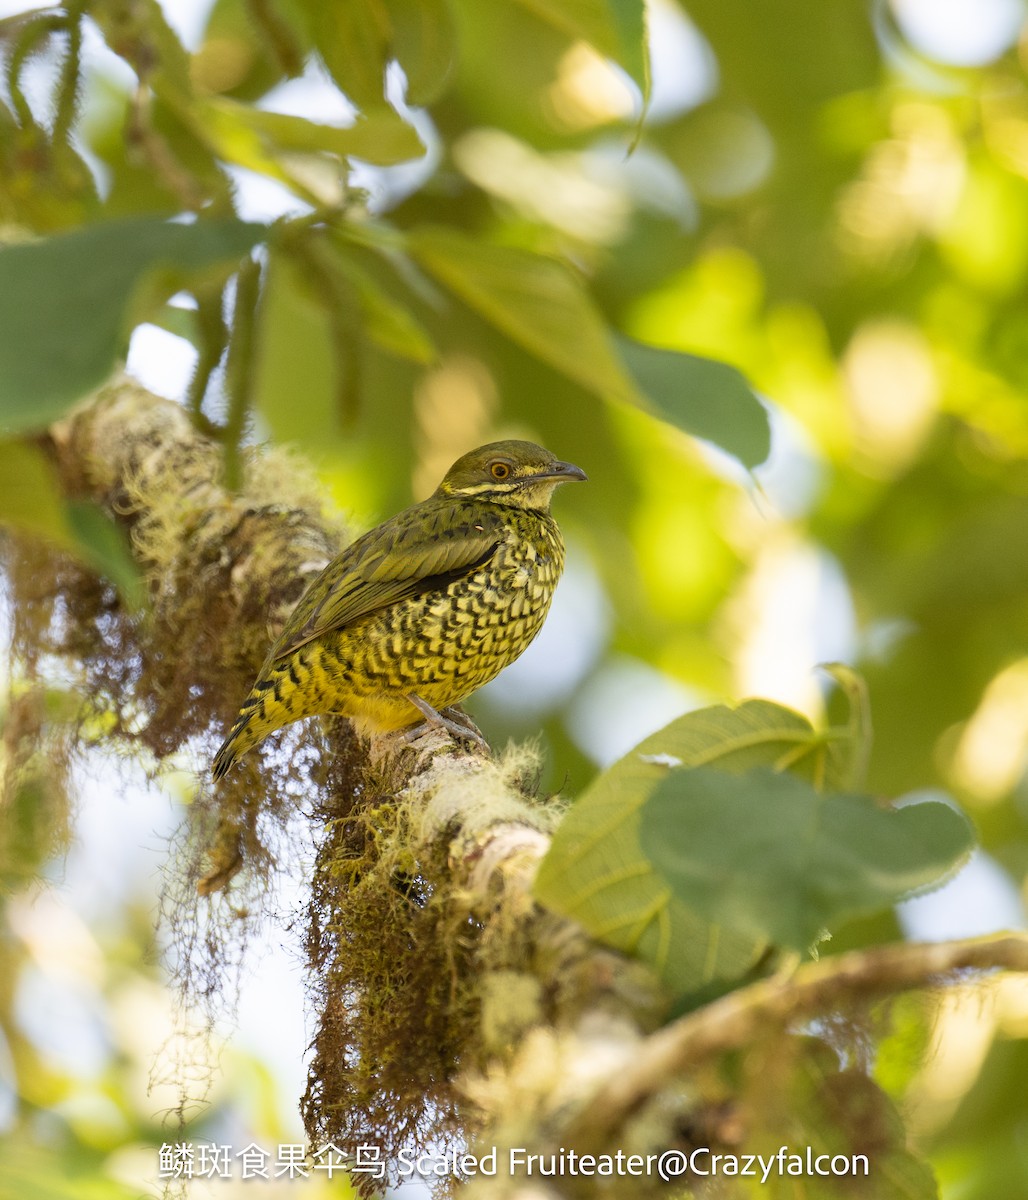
424, 609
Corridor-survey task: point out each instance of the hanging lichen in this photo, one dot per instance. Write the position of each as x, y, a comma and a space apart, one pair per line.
221, 572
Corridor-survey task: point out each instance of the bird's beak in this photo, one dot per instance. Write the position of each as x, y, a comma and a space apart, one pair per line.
566, 472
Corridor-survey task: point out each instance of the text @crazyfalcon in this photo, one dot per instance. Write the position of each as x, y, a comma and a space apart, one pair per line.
667, 1165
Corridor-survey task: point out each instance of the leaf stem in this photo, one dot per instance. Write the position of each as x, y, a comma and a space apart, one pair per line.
210, 318
71, 73
30, 38
239, 366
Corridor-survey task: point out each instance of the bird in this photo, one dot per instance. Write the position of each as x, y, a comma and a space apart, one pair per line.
423, 610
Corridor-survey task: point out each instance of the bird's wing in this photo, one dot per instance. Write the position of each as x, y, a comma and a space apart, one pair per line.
420, 549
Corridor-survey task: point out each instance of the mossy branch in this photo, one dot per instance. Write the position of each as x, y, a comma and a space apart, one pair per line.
423, 917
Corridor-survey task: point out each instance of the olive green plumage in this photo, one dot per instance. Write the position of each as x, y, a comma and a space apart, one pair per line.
424, 609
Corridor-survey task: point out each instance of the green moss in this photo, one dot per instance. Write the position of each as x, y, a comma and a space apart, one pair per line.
410, 976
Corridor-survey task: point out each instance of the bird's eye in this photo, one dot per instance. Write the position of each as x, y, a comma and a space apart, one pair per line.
500, 470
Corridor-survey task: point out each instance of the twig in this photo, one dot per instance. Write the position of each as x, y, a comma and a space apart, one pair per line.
213, 331
738, 1018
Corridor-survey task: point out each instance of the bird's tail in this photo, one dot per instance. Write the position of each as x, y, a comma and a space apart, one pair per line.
253, 724
232, 747
279, 695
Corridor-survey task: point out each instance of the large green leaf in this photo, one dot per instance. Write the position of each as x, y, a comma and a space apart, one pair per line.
708, 399
357, 40
63, 303
541, 304
766, 856
628, 18
537, 301
597, 872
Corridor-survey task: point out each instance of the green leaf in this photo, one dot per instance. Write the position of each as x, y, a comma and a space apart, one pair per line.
64, 300
769, 857
178, 320
616, 28
104, 546
32, 501
30, 494
832, 1108
852, 752
708, 399
425, 44
597, 873
629, 20
352, 37
294, 342
389, 324
541, 304
537, 301
247, 48
255, 138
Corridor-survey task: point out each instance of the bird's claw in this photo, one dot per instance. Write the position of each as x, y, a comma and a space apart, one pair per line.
440, 721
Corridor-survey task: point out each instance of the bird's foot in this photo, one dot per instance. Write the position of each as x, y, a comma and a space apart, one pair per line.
464, 729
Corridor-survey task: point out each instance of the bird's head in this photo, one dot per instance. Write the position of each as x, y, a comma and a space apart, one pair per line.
520, 474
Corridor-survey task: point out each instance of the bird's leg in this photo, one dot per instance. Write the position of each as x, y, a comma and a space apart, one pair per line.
454, 728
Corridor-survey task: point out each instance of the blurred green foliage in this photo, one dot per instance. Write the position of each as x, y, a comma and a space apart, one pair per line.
811, 201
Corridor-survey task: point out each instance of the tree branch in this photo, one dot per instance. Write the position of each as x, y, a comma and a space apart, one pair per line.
740, 1017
